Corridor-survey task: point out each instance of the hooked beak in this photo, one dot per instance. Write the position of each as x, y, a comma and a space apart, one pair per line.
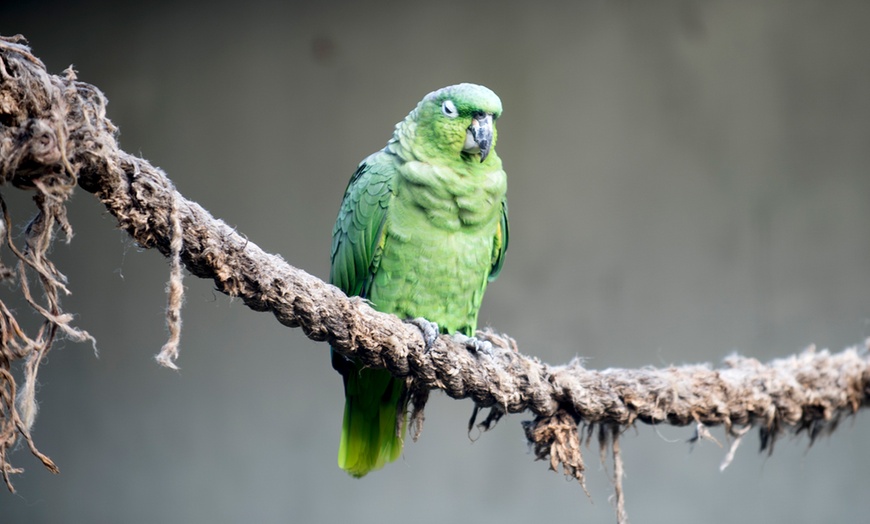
478, 137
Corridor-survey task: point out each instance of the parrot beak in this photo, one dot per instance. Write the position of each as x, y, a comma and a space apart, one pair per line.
478, 137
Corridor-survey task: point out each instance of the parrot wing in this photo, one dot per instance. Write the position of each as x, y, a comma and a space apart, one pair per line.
357, 238
358, 235
499, 248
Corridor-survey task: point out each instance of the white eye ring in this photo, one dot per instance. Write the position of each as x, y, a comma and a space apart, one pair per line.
449, 109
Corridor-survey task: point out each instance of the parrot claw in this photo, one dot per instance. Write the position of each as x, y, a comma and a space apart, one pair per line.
429, 330
483, 347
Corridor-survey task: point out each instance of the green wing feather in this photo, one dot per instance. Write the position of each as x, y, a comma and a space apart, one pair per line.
370, 433
359, 229
500, 245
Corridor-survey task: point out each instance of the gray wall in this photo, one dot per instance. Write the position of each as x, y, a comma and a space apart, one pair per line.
686, 180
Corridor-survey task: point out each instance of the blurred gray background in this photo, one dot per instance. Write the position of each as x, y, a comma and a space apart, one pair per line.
686, 180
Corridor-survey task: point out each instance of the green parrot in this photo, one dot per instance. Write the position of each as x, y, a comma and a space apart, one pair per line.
422, 229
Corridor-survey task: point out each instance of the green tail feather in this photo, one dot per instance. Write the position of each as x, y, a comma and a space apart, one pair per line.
369, 436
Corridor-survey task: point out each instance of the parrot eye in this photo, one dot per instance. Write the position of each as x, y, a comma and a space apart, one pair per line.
449, 109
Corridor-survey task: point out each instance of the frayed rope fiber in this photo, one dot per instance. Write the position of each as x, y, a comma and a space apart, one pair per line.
54, 133
47, 137
175, 291
33, 156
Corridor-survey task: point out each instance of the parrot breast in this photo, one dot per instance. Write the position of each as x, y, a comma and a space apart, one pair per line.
438, 247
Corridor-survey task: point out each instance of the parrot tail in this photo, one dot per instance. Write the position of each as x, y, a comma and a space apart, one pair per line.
370, 434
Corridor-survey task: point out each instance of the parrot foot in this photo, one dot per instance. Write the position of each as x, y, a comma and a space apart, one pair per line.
475, 345
429, 330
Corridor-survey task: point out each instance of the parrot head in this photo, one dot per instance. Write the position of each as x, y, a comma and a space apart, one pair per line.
458, 122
